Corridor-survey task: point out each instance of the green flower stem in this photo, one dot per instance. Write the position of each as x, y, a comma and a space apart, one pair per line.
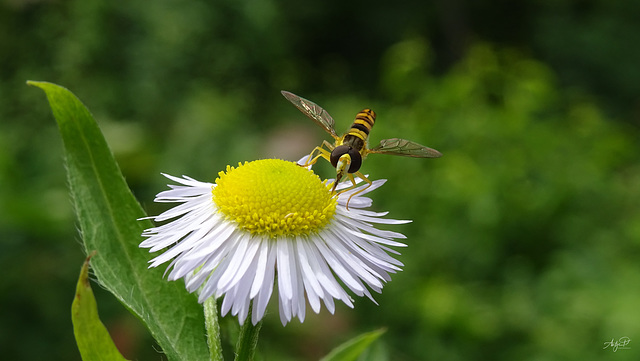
248, 339
213, 329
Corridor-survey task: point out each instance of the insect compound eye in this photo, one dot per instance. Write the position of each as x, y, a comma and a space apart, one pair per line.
338, 152
356, 158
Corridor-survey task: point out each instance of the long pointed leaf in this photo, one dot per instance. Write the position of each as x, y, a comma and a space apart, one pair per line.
352, 349
107, 212
93, 339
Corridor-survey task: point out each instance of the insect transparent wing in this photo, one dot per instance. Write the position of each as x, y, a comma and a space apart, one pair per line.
403, 147
313, 111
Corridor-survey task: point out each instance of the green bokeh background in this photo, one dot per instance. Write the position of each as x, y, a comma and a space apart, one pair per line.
525, 241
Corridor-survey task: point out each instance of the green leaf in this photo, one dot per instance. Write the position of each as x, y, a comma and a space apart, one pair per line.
352, 349
92, 337
248, 338
107, 212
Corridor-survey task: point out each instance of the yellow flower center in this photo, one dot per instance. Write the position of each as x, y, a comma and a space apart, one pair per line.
274, 197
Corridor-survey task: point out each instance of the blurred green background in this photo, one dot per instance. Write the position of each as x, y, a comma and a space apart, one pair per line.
525, 241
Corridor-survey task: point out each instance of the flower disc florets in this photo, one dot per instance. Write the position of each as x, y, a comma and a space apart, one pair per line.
274, 197
273, 223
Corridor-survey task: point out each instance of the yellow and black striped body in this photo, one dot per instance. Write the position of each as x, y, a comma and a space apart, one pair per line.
350, 149
358, 133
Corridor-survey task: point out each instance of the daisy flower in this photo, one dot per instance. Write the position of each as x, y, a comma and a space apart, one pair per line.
272, 217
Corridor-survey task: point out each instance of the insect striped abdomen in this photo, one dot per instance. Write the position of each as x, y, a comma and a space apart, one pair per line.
363, 123
359, 130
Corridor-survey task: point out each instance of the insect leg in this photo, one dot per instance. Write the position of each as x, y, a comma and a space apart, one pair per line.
321, 153
354, 185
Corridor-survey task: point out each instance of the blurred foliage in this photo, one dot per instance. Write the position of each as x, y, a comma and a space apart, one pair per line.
526, 233
529, 227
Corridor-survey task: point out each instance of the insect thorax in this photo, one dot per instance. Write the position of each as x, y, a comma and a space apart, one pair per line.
354, 142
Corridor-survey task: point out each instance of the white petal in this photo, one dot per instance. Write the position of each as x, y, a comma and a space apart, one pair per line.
241, 259
260, 271
285, 286
338, 268
324, 275
267, 285
220, 260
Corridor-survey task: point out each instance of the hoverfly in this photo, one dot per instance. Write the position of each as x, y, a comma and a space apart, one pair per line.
350, 149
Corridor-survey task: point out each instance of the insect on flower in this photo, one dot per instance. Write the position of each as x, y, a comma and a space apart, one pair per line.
271, 222
350, 149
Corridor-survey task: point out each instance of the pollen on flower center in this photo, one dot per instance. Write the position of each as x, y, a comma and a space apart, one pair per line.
274, 197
